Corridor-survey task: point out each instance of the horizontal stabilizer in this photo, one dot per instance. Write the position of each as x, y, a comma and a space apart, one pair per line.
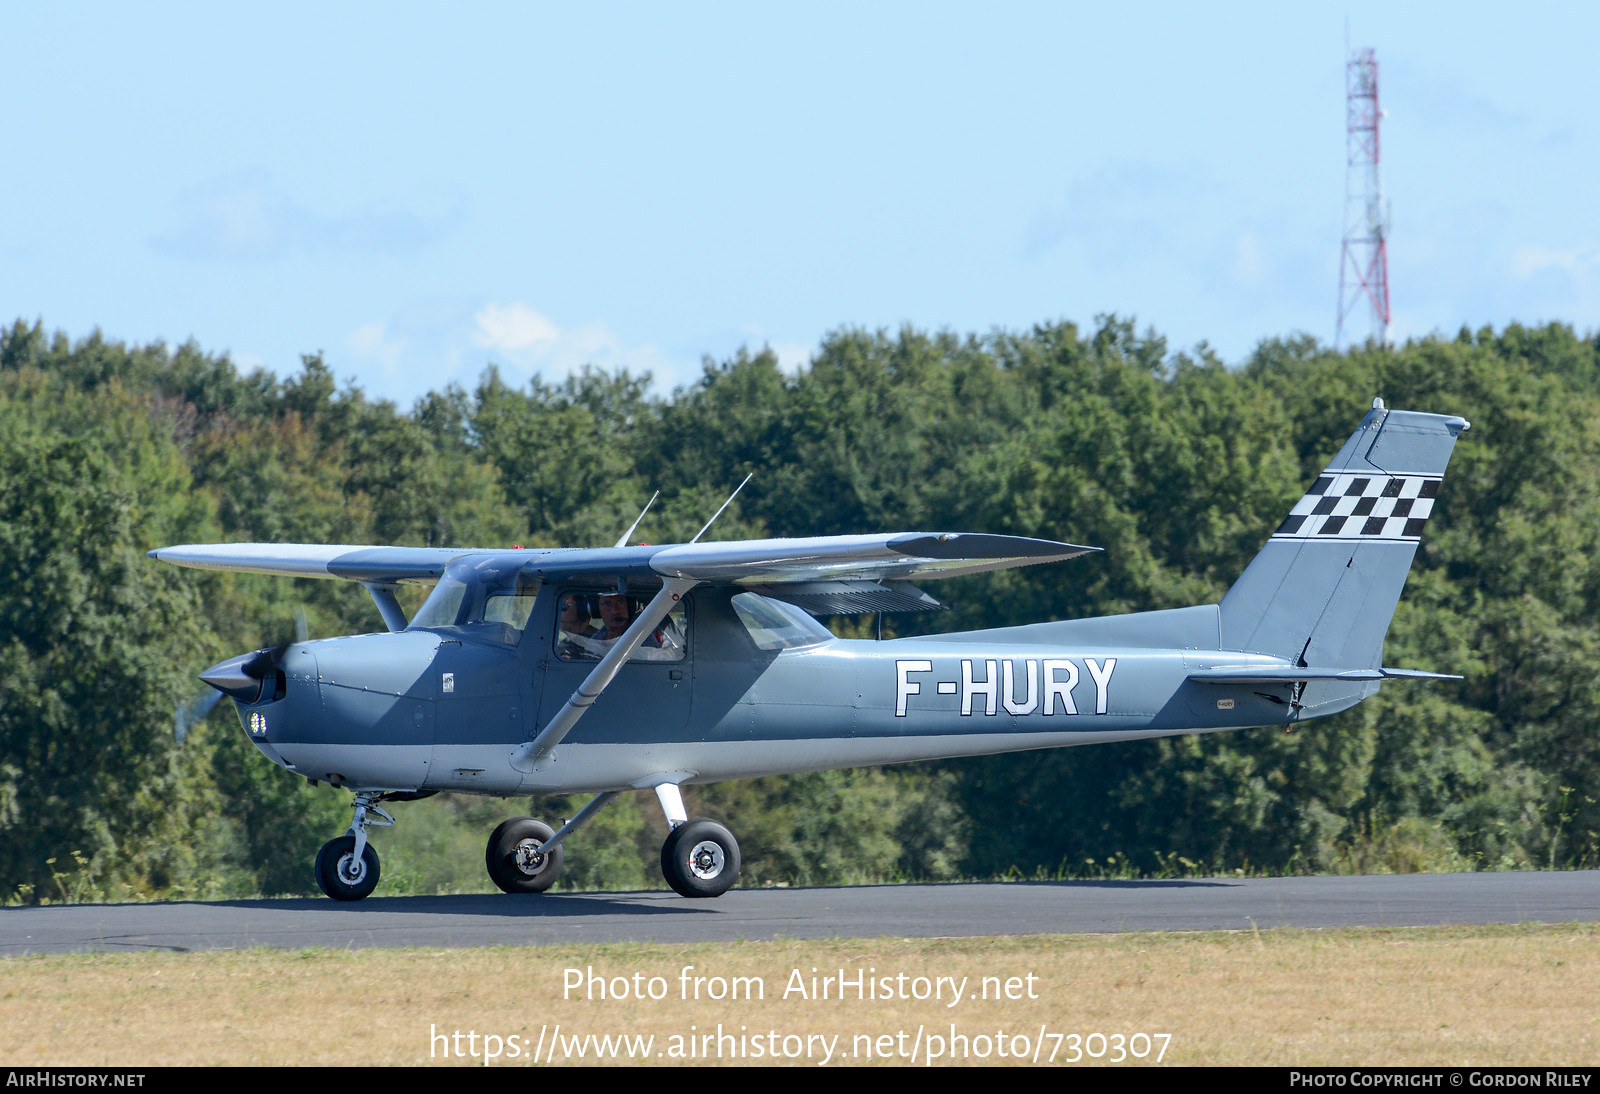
1288, 674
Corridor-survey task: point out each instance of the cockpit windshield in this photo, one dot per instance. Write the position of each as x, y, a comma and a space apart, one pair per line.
485, 598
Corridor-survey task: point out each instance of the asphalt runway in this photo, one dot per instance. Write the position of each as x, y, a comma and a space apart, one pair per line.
905, 911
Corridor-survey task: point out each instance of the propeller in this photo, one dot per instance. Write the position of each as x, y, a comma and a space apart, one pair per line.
243, 678
193, 712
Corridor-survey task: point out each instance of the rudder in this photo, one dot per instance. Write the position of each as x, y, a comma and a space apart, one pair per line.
1323, 590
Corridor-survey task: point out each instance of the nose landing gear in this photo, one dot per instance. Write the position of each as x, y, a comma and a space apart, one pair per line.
347, 867
345, 873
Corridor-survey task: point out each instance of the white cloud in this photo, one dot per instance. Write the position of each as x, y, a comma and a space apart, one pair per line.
1531, 259
520, 336
515, 329
247, 215
792, 356
1249, 259
1128, 212
372, 342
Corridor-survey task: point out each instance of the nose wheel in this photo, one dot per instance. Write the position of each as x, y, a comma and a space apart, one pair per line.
700, 859
516, 859
345, 873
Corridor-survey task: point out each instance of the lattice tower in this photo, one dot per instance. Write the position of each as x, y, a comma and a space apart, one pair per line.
1364, 261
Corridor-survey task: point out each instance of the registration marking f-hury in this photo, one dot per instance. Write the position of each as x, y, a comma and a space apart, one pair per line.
989, 684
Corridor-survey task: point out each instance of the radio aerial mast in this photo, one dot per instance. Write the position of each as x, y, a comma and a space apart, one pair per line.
1364, 261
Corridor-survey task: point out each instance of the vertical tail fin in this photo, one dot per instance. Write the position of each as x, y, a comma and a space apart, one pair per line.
1324, 588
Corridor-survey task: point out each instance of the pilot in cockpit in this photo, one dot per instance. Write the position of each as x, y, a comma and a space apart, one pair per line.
580, 639
615, 615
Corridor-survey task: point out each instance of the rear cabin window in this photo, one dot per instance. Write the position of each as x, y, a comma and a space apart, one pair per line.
774, 625
589, 624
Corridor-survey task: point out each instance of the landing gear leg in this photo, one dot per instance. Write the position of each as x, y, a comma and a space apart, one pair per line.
700, 857
347, 867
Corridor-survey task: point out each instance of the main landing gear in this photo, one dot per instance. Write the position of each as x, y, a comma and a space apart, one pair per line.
516, 857
700, 858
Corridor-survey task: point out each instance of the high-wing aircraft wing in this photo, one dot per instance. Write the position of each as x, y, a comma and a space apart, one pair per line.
822, 574
771, 563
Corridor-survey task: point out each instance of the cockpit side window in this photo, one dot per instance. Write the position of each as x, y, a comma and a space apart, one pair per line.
511, 608
589, 624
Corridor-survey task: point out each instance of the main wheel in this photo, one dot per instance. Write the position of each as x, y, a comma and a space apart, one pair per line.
514, 861
700, 858
343, 876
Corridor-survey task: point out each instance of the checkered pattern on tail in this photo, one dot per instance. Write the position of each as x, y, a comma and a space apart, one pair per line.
1347, 505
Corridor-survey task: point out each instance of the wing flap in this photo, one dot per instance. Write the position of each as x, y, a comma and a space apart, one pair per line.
854, 597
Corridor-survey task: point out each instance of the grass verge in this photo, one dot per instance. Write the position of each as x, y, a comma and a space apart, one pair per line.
1418, 996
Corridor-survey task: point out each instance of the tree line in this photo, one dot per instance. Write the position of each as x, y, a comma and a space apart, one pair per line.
1176, 464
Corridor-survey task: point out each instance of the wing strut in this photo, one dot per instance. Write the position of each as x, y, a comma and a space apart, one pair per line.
529, 756
394, 617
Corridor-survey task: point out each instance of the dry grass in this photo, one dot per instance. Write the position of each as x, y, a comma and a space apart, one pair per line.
1456, 996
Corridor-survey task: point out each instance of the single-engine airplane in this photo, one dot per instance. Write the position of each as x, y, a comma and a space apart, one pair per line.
650, 667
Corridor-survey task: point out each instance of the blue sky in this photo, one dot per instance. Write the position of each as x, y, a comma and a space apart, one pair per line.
418, 191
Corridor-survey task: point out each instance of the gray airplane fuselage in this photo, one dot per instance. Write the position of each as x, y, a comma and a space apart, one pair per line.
439, 709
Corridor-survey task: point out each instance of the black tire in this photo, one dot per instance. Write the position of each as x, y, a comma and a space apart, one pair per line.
512, 866
700, 859
340, 876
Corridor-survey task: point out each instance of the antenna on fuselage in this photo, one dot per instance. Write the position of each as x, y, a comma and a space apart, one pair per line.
725, 504
623, 542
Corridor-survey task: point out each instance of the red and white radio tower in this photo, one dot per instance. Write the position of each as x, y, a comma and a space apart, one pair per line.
1364, 264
